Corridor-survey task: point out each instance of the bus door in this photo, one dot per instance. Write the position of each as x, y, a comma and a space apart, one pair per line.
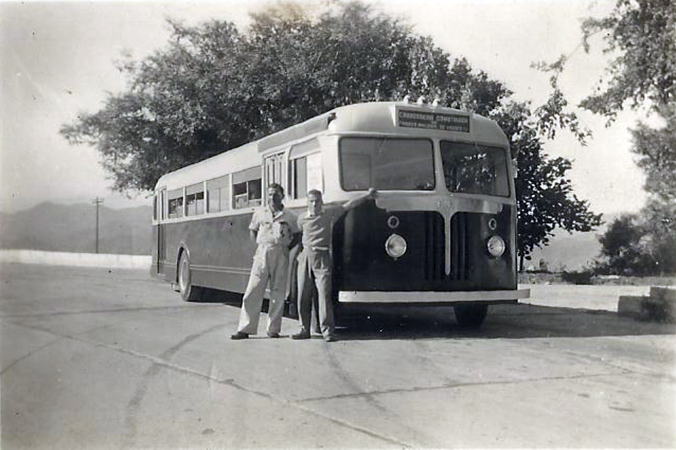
160, 211
275, 170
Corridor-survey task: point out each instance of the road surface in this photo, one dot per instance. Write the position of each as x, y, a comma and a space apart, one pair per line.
96, 358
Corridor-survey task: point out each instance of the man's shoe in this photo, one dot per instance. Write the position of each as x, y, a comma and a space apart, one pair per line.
273, 335
330, 338
239, 335
300, 335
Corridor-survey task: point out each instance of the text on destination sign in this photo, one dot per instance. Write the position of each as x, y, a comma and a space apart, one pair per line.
434, 121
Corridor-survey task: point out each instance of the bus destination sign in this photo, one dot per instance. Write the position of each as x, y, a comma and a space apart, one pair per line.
434, 121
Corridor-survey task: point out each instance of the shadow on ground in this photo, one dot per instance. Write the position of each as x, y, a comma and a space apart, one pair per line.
518, 321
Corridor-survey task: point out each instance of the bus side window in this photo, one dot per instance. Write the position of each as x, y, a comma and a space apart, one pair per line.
175, 203
305, 161
218, 194
155, 206
307, 174
246, 188
299, 170
194, 199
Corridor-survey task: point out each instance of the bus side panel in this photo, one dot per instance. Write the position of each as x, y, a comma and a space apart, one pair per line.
154, 260
220, 251
361, 263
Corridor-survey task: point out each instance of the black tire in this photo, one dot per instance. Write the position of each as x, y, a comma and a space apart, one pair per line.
189, 293
470, 316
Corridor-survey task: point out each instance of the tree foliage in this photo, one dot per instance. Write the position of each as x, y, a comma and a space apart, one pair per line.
656, 151
640, 244
545, 195
214, 88
623, 248
641, 36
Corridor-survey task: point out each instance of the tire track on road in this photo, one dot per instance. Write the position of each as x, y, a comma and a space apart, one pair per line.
159, 363
61, 337
163, 363
142, 388
98, 311
470, 384
371, 400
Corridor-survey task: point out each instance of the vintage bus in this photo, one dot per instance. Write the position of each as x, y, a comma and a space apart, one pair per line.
442, 230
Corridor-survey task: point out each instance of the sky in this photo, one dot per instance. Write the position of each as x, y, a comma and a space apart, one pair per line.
58, 60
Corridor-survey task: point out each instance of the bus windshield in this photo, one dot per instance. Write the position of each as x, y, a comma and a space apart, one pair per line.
386, 164
475, 169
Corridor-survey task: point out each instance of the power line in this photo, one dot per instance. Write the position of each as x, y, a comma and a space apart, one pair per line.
97, 201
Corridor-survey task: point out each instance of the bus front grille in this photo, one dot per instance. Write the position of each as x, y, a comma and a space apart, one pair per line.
459, 250
435, 242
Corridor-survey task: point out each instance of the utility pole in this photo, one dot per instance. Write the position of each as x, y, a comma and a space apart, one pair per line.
97, 201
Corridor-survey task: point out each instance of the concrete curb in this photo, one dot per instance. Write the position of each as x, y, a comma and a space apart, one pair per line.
75, 259
659, 306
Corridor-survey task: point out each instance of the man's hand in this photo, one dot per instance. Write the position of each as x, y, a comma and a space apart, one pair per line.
370, 195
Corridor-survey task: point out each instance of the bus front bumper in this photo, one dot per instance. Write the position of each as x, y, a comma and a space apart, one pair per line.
416, 297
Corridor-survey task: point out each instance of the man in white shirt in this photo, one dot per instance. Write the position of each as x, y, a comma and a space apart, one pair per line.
275, 231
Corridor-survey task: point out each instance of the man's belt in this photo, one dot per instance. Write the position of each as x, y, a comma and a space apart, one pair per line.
317, 249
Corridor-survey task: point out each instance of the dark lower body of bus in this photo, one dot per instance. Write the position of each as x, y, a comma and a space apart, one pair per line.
216, 253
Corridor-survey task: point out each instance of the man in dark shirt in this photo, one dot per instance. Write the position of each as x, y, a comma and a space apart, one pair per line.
314, 263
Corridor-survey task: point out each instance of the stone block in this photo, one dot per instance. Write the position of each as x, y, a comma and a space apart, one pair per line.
663, 293
633, 306
662, 304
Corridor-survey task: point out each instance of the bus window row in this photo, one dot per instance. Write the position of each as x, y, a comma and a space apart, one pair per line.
214, 196
240, 190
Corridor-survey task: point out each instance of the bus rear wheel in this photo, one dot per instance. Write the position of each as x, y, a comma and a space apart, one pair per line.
470, 315
189, 293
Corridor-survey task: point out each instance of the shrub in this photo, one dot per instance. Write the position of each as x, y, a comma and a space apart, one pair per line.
578, 277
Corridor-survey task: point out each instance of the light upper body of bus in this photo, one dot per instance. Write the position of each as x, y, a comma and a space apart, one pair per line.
442, 229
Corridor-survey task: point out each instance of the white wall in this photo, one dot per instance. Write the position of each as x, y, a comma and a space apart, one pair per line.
75, 259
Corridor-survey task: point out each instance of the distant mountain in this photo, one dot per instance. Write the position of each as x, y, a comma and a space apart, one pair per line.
72, 228
567, 251
571, 251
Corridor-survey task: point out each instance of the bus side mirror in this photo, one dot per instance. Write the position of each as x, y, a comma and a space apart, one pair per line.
515, 168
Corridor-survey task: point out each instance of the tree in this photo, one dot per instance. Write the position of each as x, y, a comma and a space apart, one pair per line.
659, 228
623, 251
544, 194
656, 150
641, 34
214, 88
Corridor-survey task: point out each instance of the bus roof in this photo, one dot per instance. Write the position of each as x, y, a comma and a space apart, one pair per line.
411, 119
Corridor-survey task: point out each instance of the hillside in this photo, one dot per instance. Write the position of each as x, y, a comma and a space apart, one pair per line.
72, 228
568, 251
572, 251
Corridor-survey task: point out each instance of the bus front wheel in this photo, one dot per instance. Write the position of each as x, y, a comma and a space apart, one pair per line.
189, 293
470, 315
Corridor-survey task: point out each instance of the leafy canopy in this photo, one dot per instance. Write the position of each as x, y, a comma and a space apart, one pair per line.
640, 36
214, 88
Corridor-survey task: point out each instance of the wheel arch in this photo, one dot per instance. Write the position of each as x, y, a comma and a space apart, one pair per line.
182, 248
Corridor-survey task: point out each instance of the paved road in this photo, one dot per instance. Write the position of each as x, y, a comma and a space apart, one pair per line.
93, 358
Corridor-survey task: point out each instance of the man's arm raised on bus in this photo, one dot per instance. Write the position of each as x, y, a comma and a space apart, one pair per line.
357, 201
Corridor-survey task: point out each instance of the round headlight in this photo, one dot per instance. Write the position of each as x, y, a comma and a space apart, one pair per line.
495, 246
395, 246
